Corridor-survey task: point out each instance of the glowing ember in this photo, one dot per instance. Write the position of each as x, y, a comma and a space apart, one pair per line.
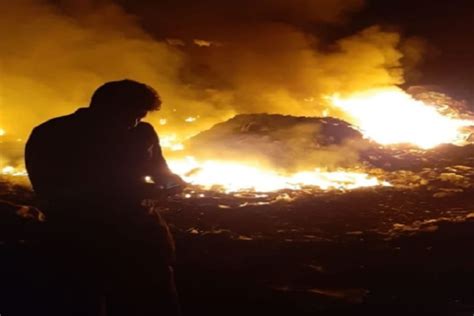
8, 170
171, 142
12, 171
391, 116
148, 179
235, 176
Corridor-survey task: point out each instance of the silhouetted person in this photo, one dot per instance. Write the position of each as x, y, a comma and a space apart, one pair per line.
90, 168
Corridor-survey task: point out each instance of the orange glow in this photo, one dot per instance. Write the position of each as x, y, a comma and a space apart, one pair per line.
238, 176
12, 171
171, 142
391, 116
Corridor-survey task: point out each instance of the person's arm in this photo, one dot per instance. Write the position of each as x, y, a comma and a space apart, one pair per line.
161, 172
157, 168
38, 162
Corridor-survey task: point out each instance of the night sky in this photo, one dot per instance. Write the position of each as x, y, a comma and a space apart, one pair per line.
446, 27
222, 58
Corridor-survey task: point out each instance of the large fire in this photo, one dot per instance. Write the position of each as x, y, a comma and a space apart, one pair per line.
238, 176
388, 116
391, 116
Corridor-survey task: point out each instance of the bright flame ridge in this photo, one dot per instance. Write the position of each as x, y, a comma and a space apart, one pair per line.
12, 171
238, 176
391, 116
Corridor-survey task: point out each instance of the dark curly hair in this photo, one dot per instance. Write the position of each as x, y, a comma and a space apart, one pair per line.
126, 94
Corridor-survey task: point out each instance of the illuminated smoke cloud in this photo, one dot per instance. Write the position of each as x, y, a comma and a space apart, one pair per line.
208, 60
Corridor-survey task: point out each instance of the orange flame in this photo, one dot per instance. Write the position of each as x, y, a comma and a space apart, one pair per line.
391, 116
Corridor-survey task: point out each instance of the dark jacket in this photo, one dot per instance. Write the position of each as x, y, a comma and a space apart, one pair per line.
103, 242
75, 157
92, 180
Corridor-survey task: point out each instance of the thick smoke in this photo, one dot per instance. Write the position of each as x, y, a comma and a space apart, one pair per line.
209, 60
285, 143
52, 62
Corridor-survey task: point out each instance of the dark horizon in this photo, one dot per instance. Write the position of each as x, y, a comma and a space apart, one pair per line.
227, 58
443, 26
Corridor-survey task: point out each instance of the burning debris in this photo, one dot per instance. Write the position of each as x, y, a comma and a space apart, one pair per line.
282, 142
286, 118
272, 152
234, 177
259, 155
391, 116
286, 152
275, 152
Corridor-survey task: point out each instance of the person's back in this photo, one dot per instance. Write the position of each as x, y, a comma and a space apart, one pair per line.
90, 168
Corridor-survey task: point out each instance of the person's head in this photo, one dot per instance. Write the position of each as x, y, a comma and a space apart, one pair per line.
124, 103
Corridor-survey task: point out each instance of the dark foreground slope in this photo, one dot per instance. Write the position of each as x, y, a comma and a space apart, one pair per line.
400, 250
385, 251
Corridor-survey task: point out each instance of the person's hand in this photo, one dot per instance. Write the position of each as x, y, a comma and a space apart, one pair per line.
170, 185
180, 181
174, 190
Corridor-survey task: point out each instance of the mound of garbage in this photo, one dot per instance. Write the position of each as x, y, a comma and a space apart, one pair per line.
282, 141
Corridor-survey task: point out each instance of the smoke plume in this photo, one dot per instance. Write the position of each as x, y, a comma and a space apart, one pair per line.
209, 60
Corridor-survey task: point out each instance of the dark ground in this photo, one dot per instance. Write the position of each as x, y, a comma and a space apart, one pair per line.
360, 253
384, 251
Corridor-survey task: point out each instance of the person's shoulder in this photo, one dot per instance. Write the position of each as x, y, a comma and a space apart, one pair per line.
145, 128
54, 123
